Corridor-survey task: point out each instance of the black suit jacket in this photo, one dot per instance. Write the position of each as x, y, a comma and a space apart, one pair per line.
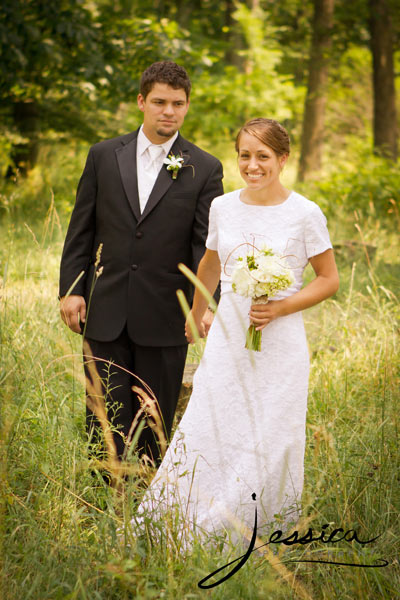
141, 252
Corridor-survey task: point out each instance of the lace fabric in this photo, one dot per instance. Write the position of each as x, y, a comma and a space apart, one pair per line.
244, 428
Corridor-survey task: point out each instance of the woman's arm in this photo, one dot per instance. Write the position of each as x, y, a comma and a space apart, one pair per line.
325, 284
209, 272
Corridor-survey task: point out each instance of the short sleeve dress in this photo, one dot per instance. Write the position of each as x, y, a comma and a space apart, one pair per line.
243, 432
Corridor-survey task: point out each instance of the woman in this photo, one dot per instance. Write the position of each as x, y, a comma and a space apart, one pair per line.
243, 432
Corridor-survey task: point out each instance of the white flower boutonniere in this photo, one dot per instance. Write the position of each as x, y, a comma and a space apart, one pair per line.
174, 163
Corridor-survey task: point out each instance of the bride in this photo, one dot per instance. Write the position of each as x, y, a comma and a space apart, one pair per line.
243, 433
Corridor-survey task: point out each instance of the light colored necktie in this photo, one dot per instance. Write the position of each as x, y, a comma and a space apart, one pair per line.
155, 153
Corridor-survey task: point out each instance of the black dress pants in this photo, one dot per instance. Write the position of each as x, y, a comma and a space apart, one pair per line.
124, 364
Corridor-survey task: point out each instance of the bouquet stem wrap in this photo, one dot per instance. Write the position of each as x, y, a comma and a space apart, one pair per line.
253, 337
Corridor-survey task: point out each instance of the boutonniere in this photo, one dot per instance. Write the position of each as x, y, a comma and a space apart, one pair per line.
174, 164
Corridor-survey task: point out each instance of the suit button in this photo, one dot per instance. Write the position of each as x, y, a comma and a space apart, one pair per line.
139, 234
134, 267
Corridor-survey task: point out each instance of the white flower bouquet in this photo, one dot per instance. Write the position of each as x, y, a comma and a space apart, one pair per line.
260, 276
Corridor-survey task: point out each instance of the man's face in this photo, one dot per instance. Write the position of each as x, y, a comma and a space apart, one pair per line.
164, 110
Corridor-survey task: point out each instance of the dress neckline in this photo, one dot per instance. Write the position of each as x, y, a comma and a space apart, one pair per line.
263, 205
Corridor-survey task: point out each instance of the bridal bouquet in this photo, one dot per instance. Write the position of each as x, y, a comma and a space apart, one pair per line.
260, 276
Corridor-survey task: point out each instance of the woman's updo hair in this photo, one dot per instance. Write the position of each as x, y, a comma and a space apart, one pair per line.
269, 132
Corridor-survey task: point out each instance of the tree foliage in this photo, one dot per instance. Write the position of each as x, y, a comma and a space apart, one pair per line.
66, 65
69, 69
230, 94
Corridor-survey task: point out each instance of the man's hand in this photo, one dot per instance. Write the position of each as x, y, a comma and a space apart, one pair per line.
73, 312
188, 330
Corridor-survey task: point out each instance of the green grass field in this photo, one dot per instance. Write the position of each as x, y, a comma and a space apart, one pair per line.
59, 523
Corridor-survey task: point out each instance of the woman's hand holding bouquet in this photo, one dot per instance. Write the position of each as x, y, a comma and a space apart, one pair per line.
260, 276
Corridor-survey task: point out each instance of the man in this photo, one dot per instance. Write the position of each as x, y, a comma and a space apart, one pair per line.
148, 222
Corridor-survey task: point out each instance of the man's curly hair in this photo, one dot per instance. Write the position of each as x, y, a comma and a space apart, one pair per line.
165, 72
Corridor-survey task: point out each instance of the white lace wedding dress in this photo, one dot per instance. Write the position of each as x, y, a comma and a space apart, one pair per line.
243, 431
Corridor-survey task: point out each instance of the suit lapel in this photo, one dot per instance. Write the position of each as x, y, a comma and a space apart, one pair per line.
164, 179
126, 157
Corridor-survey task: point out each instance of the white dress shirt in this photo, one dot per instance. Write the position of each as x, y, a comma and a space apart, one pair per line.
149, 160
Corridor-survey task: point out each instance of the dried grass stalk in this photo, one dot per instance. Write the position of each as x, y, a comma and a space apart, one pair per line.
96, 403
149, 408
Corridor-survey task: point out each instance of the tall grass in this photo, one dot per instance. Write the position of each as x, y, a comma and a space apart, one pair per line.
60, 522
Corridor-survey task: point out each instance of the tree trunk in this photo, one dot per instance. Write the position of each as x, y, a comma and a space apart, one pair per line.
233, 37
314, 109
184, 11
26, 121
385, 124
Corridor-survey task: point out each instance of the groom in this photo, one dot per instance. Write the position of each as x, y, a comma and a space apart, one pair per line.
147, 222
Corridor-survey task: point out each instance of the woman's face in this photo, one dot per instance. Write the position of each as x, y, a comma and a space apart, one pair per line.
259, 165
